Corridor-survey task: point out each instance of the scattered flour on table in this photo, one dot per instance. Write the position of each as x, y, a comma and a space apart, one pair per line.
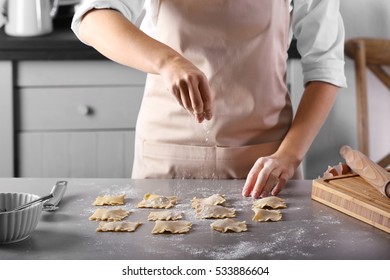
239, 250
289, 242
131, 193
327, 219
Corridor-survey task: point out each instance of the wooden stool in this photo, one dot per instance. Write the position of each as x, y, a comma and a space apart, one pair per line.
371, 54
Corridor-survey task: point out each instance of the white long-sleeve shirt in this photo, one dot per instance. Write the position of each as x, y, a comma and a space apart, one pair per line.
316, 24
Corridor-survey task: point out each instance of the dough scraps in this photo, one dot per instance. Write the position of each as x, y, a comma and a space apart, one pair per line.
215, 199
164, 215
171, 226
214, 211
263, 215
110, 200
118, 226
109, 214
273, 202
157, 201
228, 225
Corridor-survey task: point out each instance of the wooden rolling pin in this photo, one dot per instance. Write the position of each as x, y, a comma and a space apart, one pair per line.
374, 174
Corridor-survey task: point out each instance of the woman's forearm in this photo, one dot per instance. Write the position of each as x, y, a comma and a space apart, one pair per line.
110, 33
314, 107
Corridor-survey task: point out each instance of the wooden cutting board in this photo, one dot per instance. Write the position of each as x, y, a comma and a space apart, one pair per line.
352, 195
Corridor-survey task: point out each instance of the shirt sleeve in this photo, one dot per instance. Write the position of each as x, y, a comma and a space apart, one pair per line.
319, 30
133, 10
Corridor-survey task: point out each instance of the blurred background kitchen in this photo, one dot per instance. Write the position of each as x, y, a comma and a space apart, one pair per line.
66, 111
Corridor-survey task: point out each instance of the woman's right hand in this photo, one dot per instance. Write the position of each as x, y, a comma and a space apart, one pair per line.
117, 38
190, 87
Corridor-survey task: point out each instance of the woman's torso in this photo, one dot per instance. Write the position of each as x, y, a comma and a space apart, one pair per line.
241, 46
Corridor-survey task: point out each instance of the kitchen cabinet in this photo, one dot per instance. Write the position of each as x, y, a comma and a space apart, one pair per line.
71, 118
76, 118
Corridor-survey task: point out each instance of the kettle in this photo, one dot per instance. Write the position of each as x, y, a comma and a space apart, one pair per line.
24, 18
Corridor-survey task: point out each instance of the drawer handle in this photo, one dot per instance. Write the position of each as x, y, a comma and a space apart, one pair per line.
84, 110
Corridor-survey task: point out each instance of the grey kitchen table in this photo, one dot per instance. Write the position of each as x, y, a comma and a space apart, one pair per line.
308, 229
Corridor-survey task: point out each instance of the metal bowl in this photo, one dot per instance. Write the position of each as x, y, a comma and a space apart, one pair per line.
17, 225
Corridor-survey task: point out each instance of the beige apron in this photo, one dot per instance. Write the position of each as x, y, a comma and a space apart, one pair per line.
241, 46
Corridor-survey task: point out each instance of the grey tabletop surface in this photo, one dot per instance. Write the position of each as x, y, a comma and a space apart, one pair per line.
308, 229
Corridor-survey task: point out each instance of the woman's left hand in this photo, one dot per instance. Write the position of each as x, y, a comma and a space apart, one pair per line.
269, 175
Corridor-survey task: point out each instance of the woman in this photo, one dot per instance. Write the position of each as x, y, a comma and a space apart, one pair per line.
223, 62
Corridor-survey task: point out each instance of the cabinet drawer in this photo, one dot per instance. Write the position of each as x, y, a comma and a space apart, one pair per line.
76, 73
78, 108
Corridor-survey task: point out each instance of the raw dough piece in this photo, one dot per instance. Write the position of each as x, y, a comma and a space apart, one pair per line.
110, 200
157, 201
215, 199
164, 215
214, 211
171, 226
109, 214
263, 215
270, 201
117, 226
228, 224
